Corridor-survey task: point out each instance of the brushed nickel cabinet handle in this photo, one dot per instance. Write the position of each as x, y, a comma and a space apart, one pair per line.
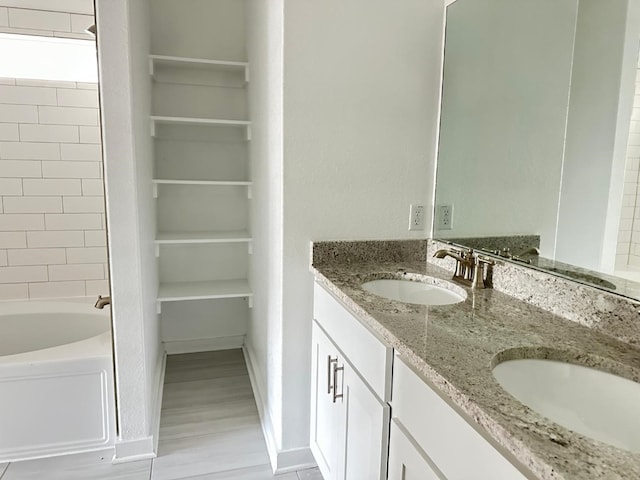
330, 361
336, 369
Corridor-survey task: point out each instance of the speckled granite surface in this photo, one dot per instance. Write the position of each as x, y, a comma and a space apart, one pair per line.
618, 285
515, 243
595, 308
455, 346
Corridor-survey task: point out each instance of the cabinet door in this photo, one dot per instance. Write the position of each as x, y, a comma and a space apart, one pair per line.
443, 433
327, 441
406, 460
366, 429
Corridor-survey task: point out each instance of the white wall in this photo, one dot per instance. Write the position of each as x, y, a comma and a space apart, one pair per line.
199, 29
360, 93
506, 91
597, 132
139, 38
53, 239
263, 343
123, 46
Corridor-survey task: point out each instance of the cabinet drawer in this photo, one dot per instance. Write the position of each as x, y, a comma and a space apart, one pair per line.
455, 447
407, 461
365, 351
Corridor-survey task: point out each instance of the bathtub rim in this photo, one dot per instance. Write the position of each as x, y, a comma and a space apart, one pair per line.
91, 347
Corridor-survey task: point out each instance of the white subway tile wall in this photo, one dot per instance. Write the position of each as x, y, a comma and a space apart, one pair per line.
628, 248
52, 234
41, 17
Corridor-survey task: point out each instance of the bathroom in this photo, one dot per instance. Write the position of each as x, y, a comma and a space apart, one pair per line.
331, 133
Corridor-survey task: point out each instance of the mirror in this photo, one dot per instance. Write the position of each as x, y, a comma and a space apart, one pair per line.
540, 138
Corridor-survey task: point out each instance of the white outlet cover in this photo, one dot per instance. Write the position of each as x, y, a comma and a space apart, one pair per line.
416, 217
443, 212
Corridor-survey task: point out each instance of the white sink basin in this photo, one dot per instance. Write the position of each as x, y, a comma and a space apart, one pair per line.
596, 404
415, 292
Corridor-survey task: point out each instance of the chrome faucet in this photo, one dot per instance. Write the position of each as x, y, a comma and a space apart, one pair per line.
464, 261
471, 270
102, 301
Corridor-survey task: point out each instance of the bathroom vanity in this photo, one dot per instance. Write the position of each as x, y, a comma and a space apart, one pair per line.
406, 391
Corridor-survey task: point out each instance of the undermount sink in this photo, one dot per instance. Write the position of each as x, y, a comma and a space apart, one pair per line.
593, 403
422, 293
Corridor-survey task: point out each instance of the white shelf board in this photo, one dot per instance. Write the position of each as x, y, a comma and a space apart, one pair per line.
236, 236
180, 291
219, 65
198, 121
209, 183
219, 183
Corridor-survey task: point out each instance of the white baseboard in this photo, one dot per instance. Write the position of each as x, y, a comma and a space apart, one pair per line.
294, 459
282, 461
174, 347
157, 406
263, 412
133, 450
147, 447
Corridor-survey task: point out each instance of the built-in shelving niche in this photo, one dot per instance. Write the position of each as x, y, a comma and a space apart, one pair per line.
202, 185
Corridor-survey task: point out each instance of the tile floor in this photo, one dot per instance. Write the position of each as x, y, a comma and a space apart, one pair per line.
209, 430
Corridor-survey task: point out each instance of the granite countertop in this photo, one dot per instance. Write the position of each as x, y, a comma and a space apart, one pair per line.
455, 347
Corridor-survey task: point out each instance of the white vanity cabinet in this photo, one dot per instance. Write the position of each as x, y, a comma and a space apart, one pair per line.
352, 399
350, 389
428, 433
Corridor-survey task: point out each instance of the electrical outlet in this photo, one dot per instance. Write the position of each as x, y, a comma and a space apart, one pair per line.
416, 217
445, 217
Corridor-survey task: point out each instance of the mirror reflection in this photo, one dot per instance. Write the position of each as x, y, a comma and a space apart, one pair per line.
540, 136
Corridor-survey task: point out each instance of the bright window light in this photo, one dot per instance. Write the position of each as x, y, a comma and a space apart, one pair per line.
47, 58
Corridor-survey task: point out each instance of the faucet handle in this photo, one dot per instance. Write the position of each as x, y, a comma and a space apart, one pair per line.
484, 272
486, 261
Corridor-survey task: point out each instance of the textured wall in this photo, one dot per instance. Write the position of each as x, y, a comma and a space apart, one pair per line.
123, 44
344, 140
264, 333
52, 225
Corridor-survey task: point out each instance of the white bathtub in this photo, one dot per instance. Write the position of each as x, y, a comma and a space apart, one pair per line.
56, 379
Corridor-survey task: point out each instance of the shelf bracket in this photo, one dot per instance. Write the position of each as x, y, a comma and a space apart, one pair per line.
158, 307
151, 69
250, 247
157, 249
246, 74
155, 190
249, 192
248, 133
153, 128
250, 301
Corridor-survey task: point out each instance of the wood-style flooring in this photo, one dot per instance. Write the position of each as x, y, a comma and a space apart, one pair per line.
209, 430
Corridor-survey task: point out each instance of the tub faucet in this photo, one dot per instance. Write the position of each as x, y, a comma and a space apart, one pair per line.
102, 301
471, 269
